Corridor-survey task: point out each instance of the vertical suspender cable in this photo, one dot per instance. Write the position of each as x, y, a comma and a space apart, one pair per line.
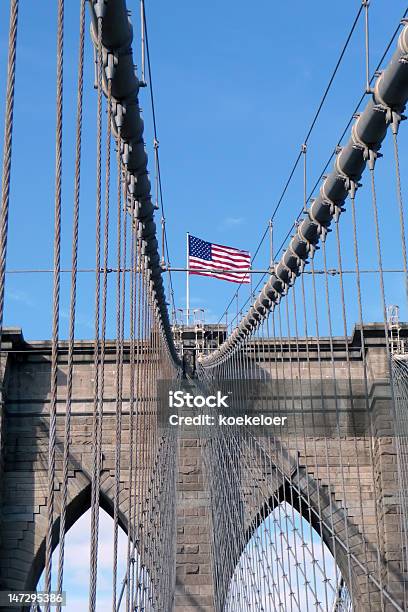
132, 501
365, 373
400, 205
102, 343
56, 301
378, 244
120, 315
8, 134
95, 427
74, 265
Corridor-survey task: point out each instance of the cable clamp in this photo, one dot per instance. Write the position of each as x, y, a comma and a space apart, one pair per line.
321, 229
130, 181
396, 119
120, 112
298, 259
310, 248
380, 102
111, 63
372, 158
335, 209
360, 144
126, 150
285, 285
99, 7
352, 187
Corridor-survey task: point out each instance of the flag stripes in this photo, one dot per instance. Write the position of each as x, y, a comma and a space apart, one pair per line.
218, 261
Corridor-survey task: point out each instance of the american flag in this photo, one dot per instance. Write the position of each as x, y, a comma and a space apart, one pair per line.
209, 259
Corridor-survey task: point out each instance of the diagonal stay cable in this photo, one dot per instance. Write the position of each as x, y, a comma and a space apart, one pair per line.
345, 130
308, 134
156, 140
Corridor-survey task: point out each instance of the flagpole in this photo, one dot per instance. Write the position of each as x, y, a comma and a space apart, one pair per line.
187, 286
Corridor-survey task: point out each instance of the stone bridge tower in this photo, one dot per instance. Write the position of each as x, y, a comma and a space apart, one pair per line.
25, 373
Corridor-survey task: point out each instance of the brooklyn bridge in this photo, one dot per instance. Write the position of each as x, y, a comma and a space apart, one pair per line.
256, 461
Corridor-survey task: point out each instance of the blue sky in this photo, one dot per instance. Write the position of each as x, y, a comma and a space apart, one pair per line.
285, 541
76, 564
236, 88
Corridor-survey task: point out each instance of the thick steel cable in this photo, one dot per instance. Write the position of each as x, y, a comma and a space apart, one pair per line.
239, 286
400, 205
356, 560
120, 315
401, 426
145, 453
341, 138
95, 423
132, 501
352, 399
378, 248
139, 459
138, 602
7, 151
145, 209
366, 5
336, 402
102, 343
156, 142
326, 450
327, 163
310, 130
318, 111
359, 564
286, 535
400, 374
274, 361
365, 373
55, 303
372, 579
372, 161
291, 501
256, 567
315, 466
74, 266
285, 401
319, 108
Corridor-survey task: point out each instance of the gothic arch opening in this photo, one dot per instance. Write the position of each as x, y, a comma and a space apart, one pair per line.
76, 566
76, 563
286, 565
76, 575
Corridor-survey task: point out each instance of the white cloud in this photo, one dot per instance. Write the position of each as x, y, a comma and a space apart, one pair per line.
233, 221
76, 563
19, 296
80, 318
